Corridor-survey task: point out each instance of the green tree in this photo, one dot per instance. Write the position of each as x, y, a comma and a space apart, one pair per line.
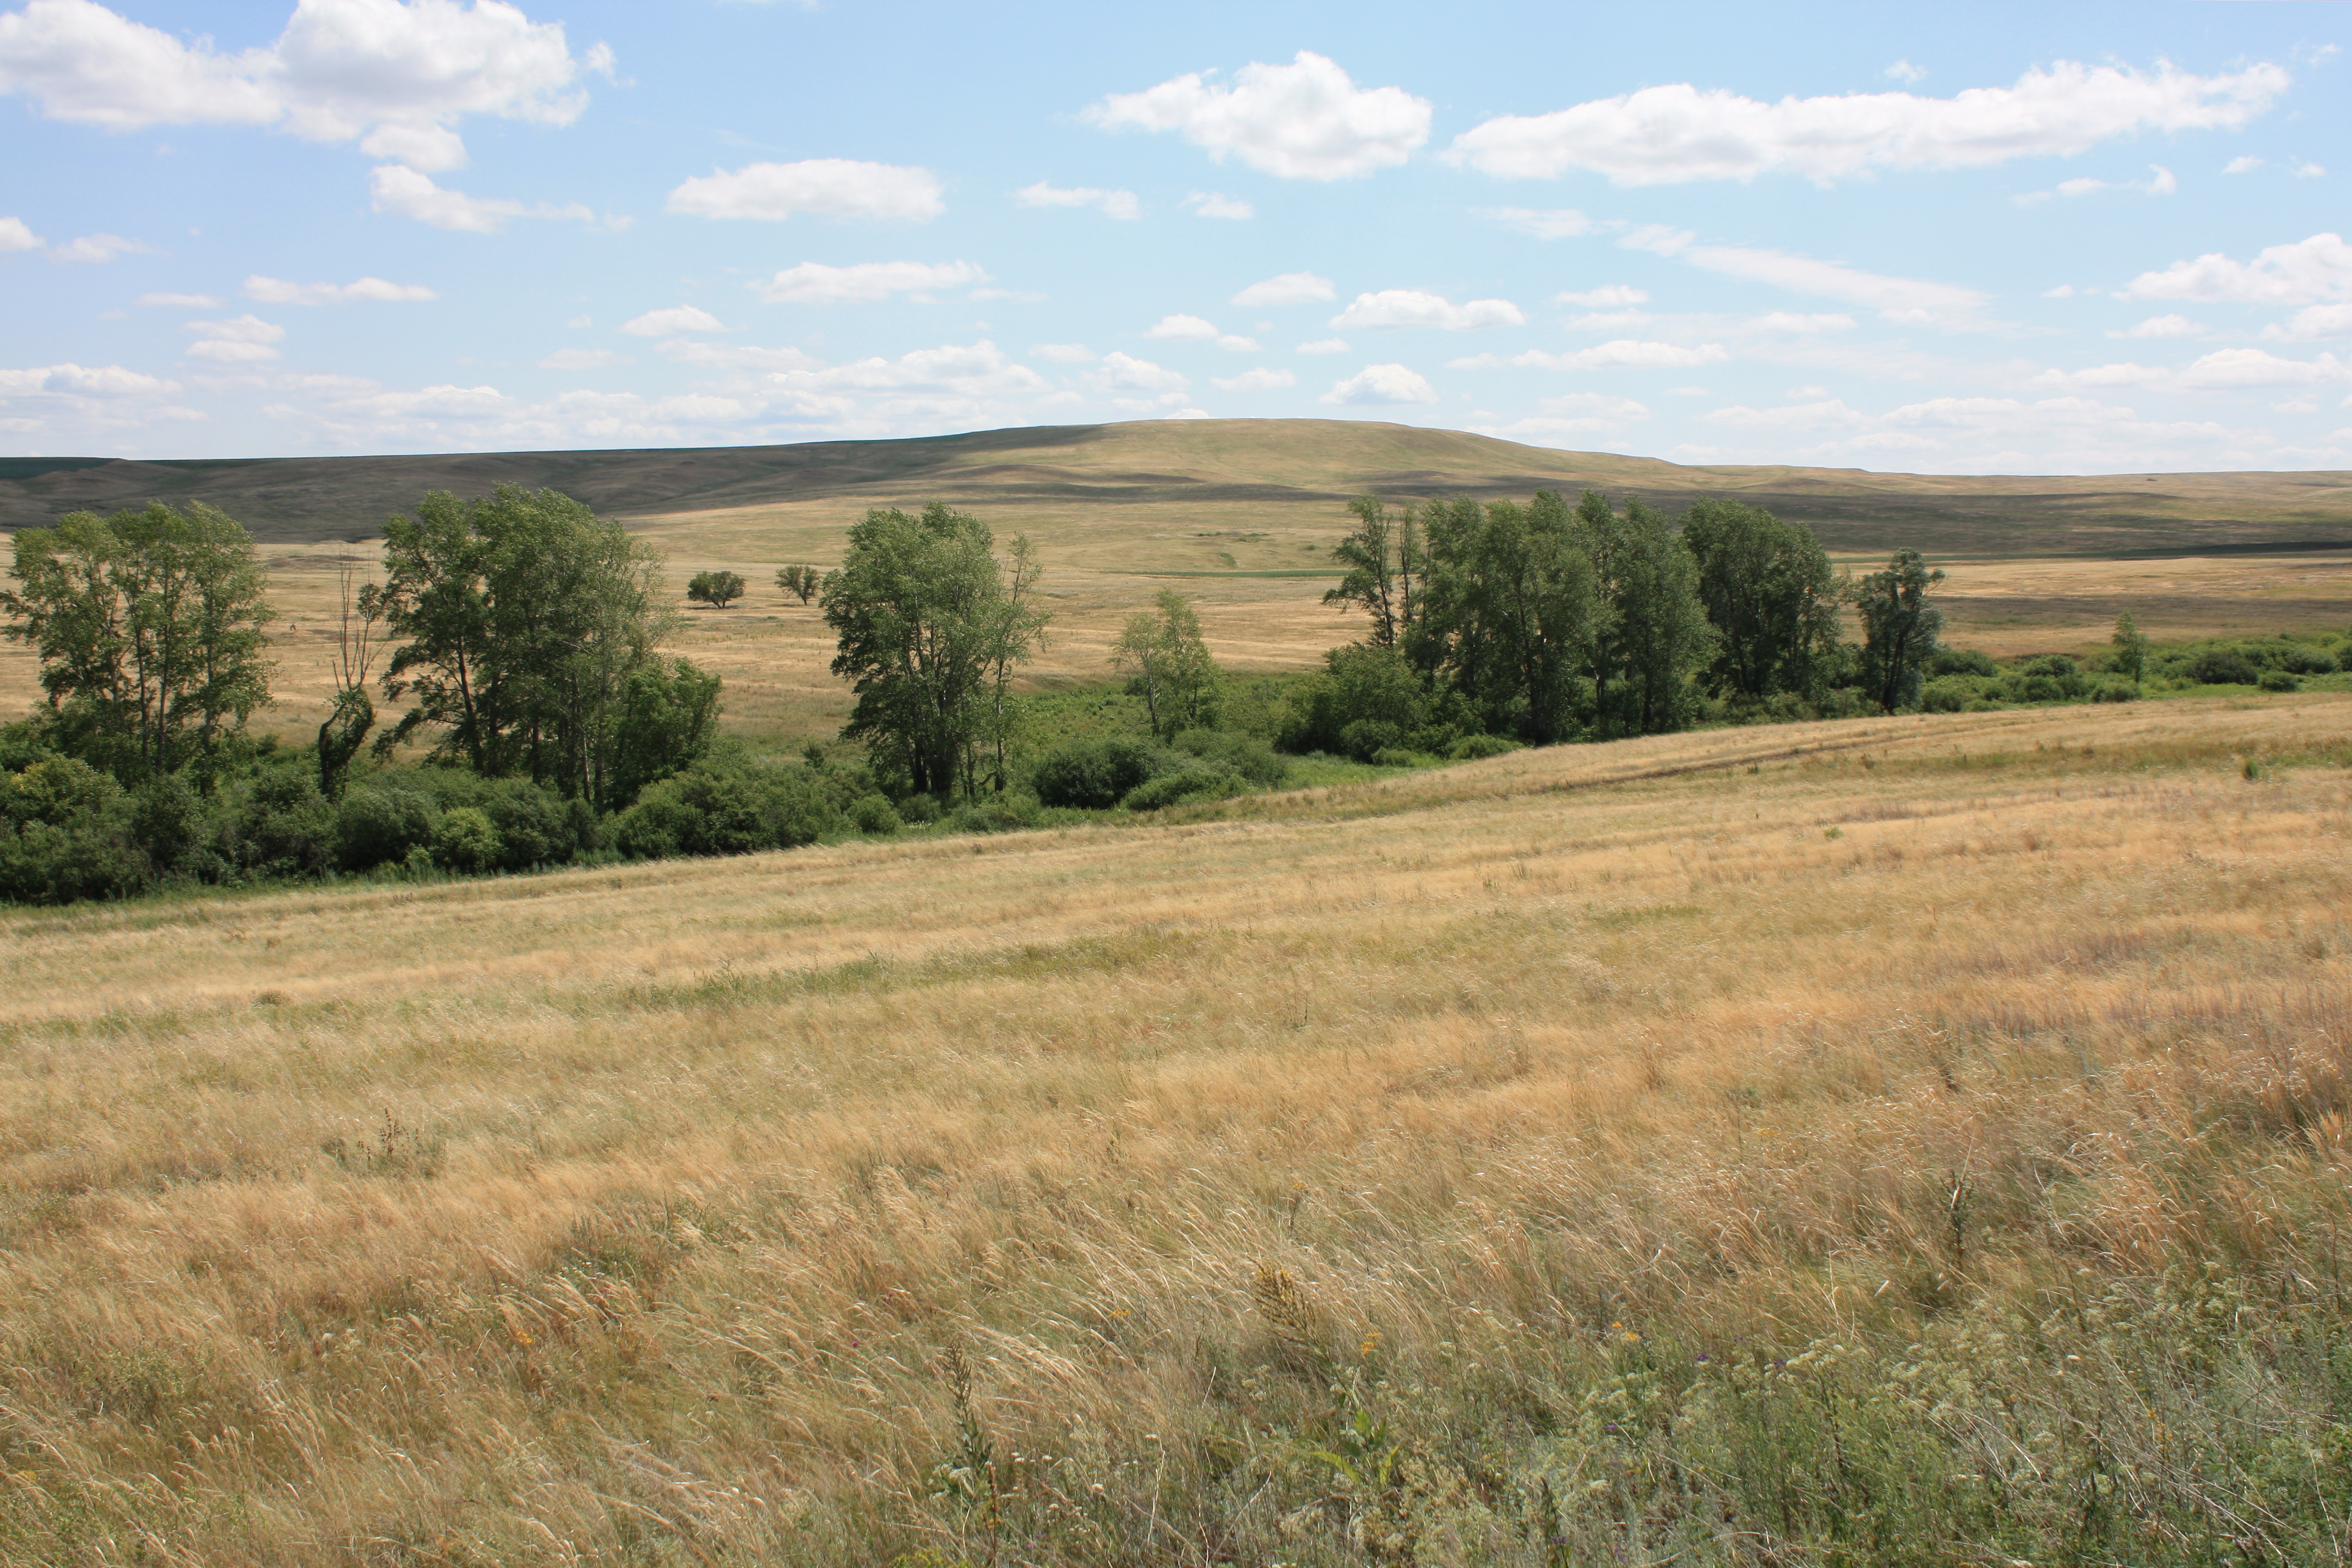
1900, 625
1169, 666
1382, 557
149, 629
524, 616
929, 627
716, 589
1654, 635
1508, 612
802, 582
1772, 596
2131, 647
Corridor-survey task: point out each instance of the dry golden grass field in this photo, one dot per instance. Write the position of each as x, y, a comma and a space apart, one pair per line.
1337, 1177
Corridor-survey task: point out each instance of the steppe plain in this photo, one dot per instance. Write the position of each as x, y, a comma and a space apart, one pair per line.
1041, 1198
1242, 514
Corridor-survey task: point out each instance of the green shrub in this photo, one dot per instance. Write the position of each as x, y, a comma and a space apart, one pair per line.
1473, 748
2279, 680
1093, 774
381, 820
2297, 658
1947, 694
535, 825
996, 814
1247, 755
88, 857
465, 840
168, 819
2223, 667
1195, 782
277, 823
1395, 757
1365, 738
874, 813
2115, 691
1961, 661
920, 810
1358, 684
723, 810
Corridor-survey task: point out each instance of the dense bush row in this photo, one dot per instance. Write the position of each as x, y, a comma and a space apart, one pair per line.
70, 831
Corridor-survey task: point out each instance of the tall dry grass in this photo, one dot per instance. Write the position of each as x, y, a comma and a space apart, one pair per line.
1451, 1169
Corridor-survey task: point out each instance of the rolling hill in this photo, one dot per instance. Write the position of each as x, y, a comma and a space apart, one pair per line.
1234, 471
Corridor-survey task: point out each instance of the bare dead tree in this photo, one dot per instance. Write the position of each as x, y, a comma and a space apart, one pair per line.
359, 642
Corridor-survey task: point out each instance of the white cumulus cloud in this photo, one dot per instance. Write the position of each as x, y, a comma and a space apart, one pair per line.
279, 291
2316, 321
1621, 353
1419, 308
1901, 300
400, 190
1121, 205
1286, 288
863, 282
2172, 326
15, 236
1544, 223
81, 381
1125, 372
2224, 370
1324, 346
1305, 120
243, 340
1800, 324
2160, 183
671, 320
1608, 297
1216, 204
2306, 272
1183, 328
396, 75
1062, 354
2243, 164
96, 248
179, 301
1662, 135
1259, 380
1375, 384
824, 187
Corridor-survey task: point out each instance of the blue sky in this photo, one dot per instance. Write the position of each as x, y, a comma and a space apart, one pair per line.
1990, 238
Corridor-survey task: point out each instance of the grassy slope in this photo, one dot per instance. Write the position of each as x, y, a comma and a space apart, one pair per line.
717, 1213
1262, 470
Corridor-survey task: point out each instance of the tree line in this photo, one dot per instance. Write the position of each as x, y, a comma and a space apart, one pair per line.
1544, 621
531, 716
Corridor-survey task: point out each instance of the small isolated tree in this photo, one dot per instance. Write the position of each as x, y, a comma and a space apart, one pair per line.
1168, 665
519, 619
149, 629
2131, 647
802, 582
1899, 627
1380, 556
1655, 632
716, 589
1770, 594
930, 624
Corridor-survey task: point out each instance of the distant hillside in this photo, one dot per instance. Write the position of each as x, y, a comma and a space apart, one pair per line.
1279, 468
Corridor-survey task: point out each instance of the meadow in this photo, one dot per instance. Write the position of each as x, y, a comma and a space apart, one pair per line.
1914, 1140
